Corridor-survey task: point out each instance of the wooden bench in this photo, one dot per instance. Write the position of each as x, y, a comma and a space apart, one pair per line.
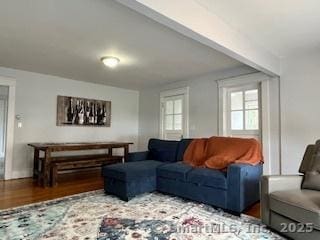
47, 166
64, 163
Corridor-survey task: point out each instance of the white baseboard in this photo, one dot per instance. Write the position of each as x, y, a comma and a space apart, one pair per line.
26, 173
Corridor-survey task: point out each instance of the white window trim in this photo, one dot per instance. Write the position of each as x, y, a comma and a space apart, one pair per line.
264, 80
11, 83
170, 93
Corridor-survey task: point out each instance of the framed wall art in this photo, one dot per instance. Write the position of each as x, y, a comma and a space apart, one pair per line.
83, 112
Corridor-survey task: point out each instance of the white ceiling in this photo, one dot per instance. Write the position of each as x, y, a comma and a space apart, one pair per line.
284, 27
67, 39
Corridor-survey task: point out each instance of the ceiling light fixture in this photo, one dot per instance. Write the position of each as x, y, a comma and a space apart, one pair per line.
110, 62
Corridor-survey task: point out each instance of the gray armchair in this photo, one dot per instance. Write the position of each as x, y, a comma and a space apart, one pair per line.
290, 208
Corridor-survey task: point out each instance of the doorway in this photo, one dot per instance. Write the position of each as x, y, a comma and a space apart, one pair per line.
174, 114
245, 109
4, 94
7, 112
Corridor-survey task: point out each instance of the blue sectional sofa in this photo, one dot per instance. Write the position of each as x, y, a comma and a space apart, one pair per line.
161, 169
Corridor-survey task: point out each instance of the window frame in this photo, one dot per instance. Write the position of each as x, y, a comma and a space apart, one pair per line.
244, 131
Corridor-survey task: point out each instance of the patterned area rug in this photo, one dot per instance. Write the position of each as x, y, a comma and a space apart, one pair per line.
94, 215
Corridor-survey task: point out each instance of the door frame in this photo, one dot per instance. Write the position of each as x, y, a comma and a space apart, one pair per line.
171, 93
11, 83
264, 81
5, 101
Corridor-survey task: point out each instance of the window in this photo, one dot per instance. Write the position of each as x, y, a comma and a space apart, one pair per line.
243, 110
174, 114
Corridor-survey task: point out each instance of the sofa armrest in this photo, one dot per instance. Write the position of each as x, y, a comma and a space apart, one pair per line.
138, 156
243, 186
274, 183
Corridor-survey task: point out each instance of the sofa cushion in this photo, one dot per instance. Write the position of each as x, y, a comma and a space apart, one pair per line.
163, 150
131, 171
312, 177
312, 150
207, 177
182, 147
308, 154
299, 205
312, 180
176, 171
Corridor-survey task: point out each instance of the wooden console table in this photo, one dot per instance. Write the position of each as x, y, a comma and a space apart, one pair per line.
45, 168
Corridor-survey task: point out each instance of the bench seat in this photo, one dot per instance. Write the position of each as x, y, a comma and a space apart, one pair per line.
64, 163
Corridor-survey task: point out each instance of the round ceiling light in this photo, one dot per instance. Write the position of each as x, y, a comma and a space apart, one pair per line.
110, 62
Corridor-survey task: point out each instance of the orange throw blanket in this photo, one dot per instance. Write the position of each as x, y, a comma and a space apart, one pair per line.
220, 152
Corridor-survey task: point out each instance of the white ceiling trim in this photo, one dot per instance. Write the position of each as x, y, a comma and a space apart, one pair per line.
201, 25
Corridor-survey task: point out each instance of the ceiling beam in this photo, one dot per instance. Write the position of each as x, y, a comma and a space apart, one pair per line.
193, 20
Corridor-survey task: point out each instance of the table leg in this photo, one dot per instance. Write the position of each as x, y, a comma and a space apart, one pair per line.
46, 169
36, 163
126, 153
40, 170
109, 152
54, 175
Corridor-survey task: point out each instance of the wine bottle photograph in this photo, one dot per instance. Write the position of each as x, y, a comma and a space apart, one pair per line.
76, 111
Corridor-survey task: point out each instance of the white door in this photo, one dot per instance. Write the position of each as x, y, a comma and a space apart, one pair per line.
243, 115
173, 117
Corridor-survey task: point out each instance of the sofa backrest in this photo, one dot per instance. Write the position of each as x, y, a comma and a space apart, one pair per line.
311, 150
167, 150
182, 147
163, 150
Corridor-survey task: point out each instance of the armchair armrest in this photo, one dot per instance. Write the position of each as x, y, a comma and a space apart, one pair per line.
138, 156
274, 183
243, 186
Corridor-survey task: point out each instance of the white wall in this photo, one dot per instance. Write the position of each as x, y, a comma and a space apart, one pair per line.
203, 106
300, 113
36, 99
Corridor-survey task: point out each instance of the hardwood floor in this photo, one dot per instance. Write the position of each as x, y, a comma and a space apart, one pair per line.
254, 210
19, 192
25, 191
